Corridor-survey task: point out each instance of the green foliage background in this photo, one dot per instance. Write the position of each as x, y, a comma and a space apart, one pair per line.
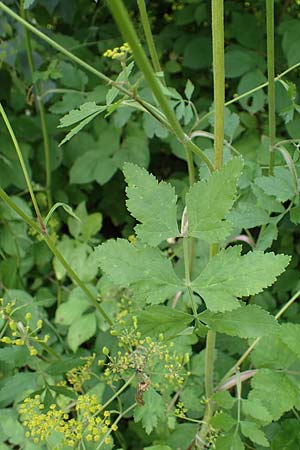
87, 175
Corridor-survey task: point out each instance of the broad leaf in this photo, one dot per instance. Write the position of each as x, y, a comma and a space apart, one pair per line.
252, 431
280, 185
246, 322
256, 410
152, 203
274, 390
208, 203
229, 275
162, 319
144, 269
92, 165
81, 330
18, 386
151, 412
231, 441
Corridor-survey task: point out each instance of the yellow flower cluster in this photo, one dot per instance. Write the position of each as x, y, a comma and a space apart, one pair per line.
180, 409
78, 375
118, 52
146, 356
87, 426
21, 333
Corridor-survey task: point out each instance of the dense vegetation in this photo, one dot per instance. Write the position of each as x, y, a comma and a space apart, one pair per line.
149, 237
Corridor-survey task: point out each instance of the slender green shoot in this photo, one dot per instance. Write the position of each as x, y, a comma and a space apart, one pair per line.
148, 35
24, 168
219, 102
271, 81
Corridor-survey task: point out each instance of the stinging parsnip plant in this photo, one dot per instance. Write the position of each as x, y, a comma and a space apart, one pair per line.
182, 287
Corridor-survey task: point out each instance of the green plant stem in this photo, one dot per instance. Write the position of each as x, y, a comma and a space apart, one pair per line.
219, 101
116, 394
148, 35
219, 79
23, 167
41, 109
187, 271
121, 415
56, 252
245, 355
236, 98
271, 81
124, 23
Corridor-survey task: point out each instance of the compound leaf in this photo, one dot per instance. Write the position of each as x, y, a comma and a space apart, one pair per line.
144, 269
246, 322
252, 431
229, 275
274, 390
152, 203
151, 412
231, 441
162, 319
208, 203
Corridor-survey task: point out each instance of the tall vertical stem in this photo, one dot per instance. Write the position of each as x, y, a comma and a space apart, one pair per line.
41, 109
271, 81
148, 35
219, 102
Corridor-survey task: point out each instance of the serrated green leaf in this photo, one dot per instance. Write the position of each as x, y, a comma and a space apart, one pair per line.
230, 441
87, 112
144, 269
223, 421
224, 399
246, 322
77, 115
252, 431
255, 409
81, 330
275, 391
151, 412
280, 185
287, 435
246, 214
208, 203
162, 319
229, 275
290, 335
152, 203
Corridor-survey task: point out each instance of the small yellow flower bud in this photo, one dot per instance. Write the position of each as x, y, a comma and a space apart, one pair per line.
28, 317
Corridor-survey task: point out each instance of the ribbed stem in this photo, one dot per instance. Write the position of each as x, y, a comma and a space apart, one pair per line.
271, 81
219, 103
148, 35
23, 166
